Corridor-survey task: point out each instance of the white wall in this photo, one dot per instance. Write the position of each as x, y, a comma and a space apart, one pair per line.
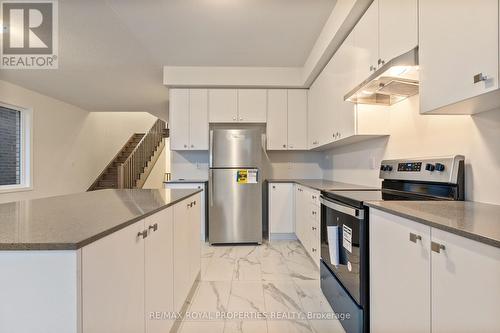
70, 146
414, 135
157, 175
194, 165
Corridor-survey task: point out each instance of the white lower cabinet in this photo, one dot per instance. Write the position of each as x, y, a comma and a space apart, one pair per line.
307, 220
399, 275
465, 285
146, 268
281, 209
159, 261
186, 249
423, 279
113, 282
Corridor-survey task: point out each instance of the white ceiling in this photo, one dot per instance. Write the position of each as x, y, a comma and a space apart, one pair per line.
112, 52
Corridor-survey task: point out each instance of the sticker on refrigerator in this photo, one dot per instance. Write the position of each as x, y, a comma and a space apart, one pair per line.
347, 238
246, 176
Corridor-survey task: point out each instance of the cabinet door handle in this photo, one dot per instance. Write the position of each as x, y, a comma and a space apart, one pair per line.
142, 234
234, 118
192, 146
154, 227
436, 247
284, 146
185, 146
414, 237
241, 119
313, 249
480, 77
194, 203
314, 228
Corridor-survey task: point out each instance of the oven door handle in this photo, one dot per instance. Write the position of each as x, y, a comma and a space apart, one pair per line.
356, 213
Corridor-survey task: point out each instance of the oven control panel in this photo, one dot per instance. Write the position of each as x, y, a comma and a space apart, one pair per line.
410, 167
438, 169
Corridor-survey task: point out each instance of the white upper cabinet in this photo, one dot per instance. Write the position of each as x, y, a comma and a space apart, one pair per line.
458, 55
188, 119
179, 119
237, 105
252, 105
366, 43
398, 27
223, 105
287, 119
277, 113
297, 119
333, 121
198, 119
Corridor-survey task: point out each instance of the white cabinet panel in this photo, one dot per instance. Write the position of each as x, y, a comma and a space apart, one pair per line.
159, 259
281, 208
398, 22
458, 40
252, 105
195, 212
198, 119
181, 242
277, 114
223, 105
113, 282
465, 285
179, 119
366, 42
297, 119
399, 275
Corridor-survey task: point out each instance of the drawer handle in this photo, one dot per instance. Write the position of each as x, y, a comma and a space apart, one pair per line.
480, 77
154, 227
142, 234
414, 237
436, 247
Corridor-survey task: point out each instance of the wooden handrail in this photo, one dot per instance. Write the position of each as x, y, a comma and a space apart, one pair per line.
130, 170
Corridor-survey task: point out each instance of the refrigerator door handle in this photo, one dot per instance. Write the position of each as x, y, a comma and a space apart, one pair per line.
211, 147
263, 142
211, 186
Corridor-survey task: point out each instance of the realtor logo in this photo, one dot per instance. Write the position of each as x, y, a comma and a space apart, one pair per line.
29, 35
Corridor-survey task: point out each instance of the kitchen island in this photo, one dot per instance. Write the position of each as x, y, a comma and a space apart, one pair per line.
99, 261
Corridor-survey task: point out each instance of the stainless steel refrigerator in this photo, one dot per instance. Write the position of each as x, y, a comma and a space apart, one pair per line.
235, 186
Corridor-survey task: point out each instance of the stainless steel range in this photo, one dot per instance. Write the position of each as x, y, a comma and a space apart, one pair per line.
345, 227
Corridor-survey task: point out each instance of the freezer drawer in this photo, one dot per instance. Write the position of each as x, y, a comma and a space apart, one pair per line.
235, 209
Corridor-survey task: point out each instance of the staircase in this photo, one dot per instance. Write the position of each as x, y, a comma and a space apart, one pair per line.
133, 163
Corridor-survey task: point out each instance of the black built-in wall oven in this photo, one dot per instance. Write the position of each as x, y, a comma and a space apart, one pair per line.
345, 228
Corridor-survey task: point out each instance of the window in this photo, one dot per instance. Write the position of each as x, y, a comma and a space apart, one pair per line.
15, 148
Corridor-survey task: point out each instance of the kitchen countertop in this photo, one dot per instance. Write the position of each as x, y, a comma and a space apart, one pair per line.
323, 185
70, 222
185, 181
477, 221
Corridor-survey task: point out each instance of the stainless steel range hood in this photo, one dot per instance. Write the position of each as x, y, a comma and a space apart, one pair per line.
391, 83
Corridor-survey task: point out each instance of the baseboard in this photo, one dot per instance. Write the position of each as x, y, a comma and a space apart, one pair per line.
282, 236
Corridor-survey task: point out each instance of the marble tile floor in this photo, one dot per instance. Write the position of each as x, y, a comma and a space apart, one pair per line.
268, 288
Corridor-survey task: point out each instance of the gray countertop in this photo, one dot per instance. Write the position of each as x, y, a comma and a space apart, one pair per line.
70, 222
477, 221
186, 181
323, 185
